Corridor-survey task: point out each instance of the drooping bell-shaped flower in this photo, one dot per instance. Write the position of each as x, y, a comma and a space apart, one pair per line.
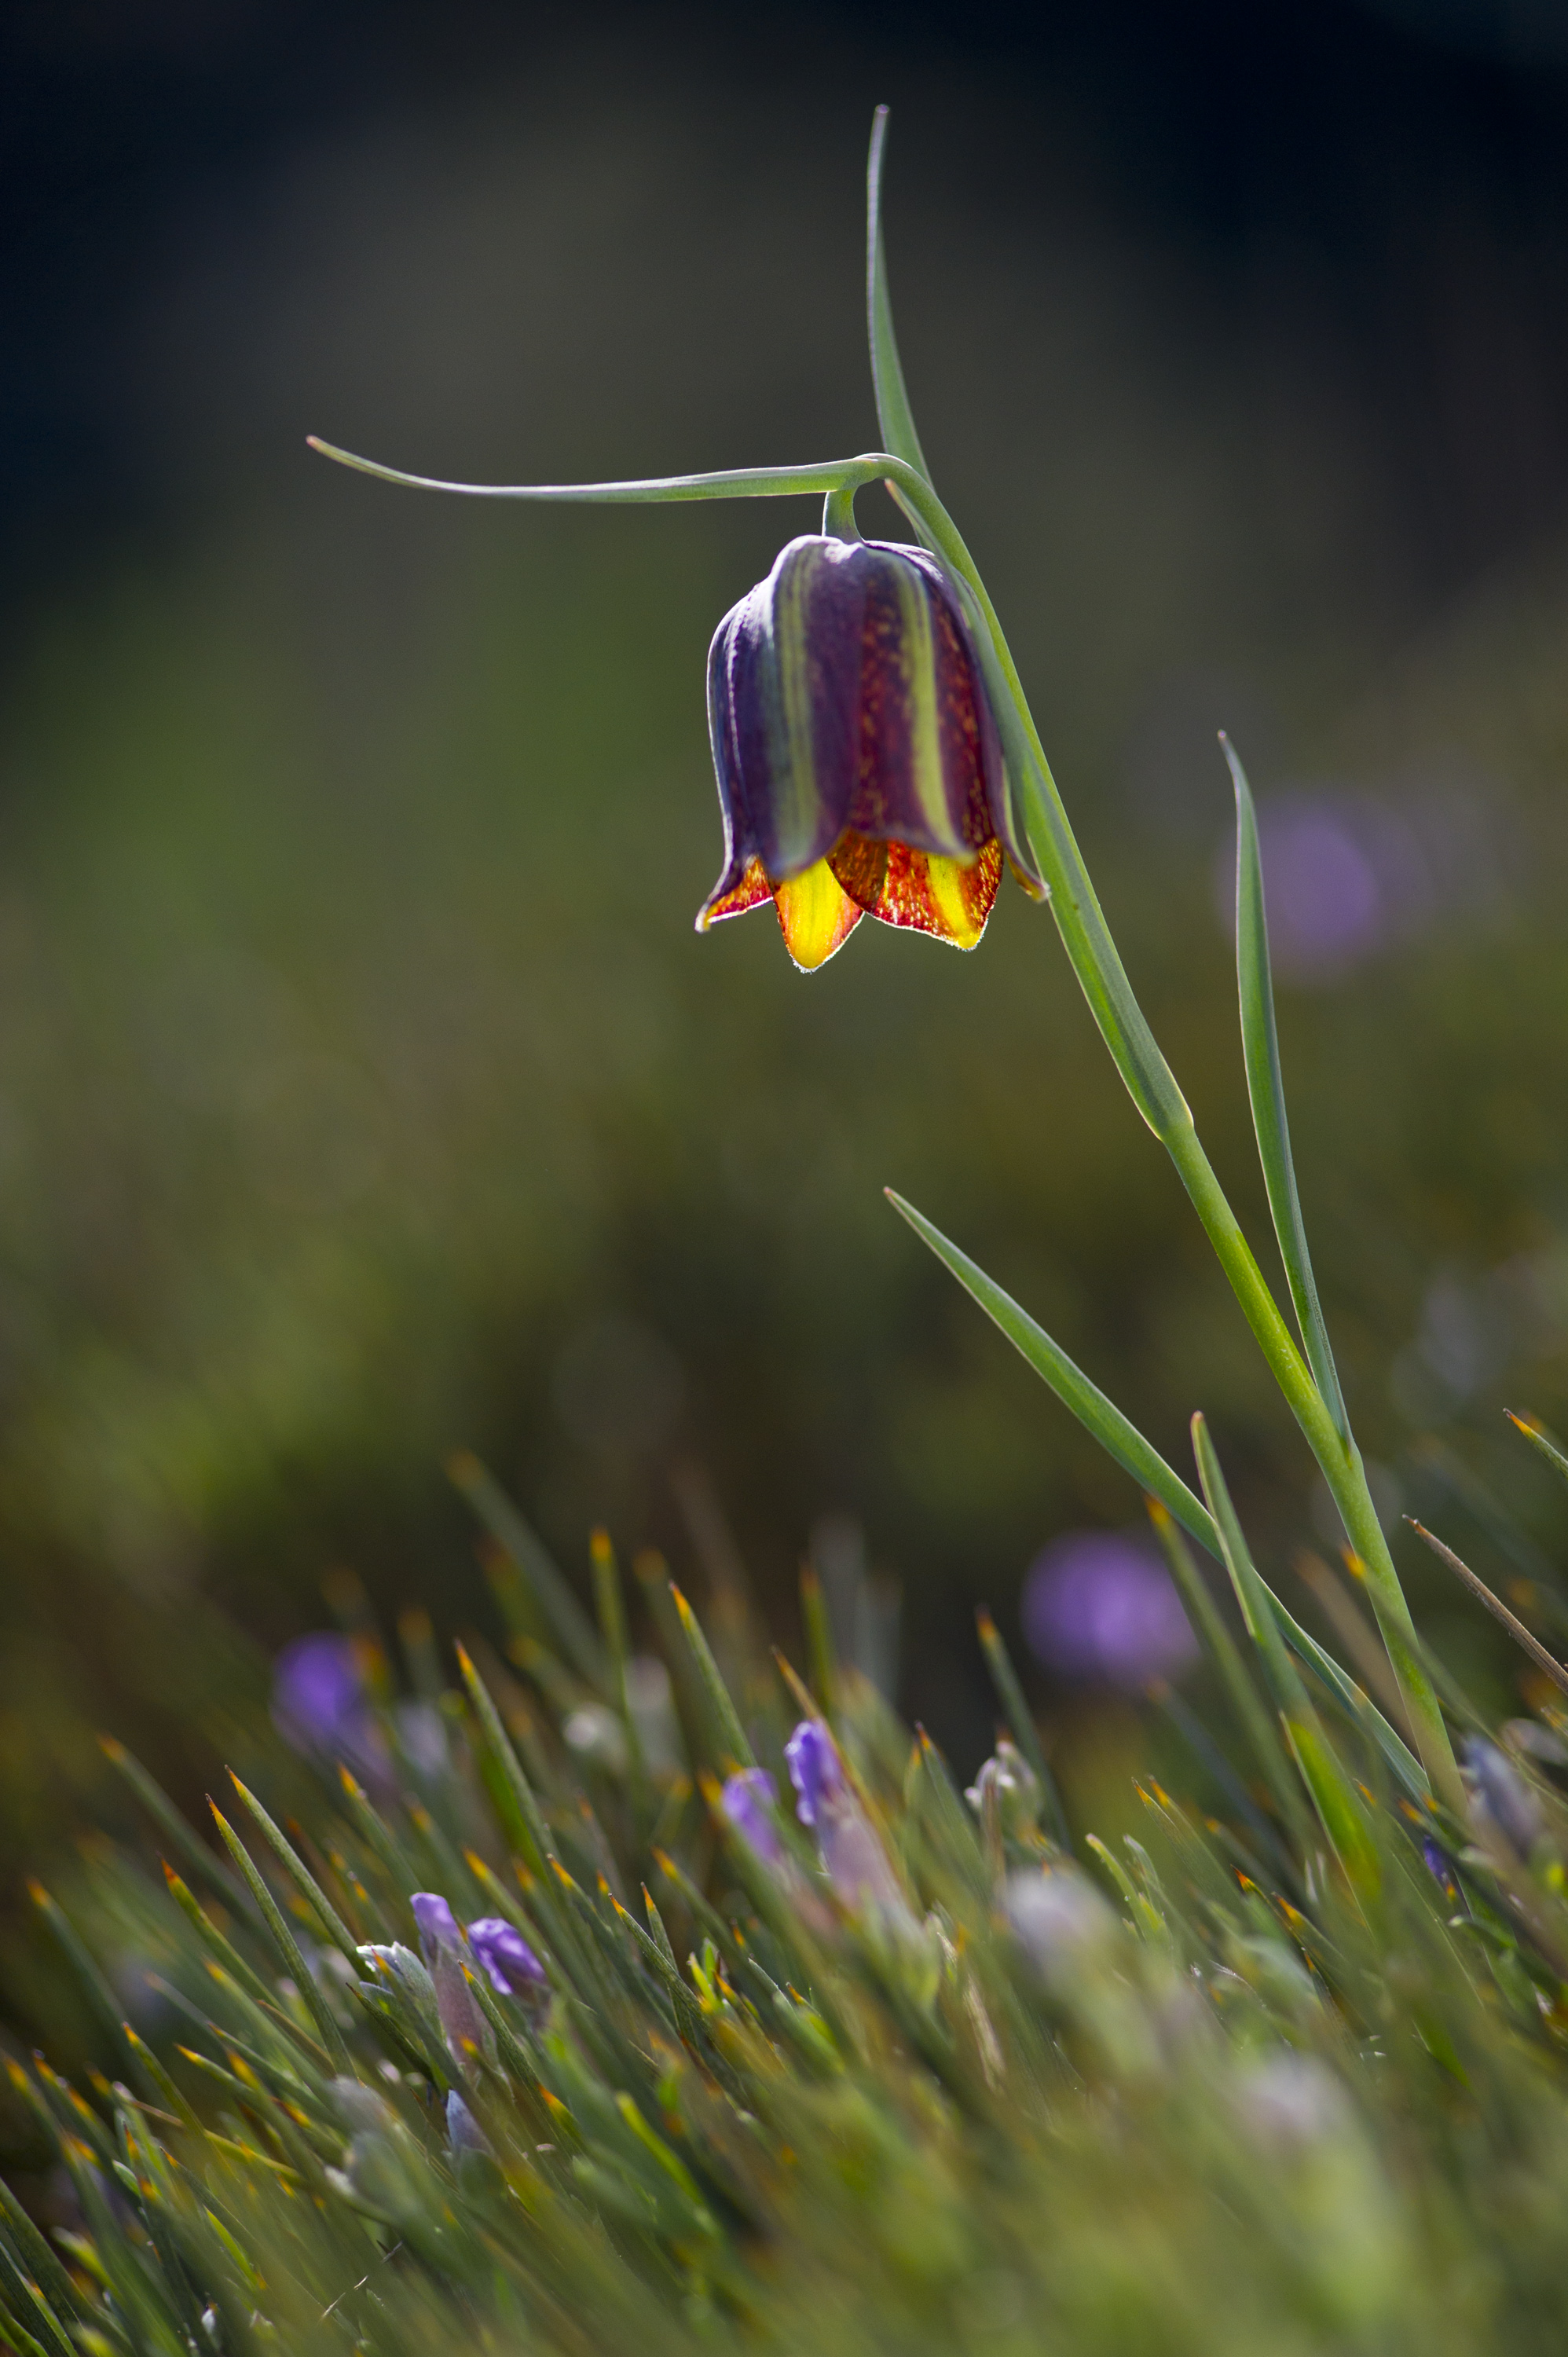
859, 767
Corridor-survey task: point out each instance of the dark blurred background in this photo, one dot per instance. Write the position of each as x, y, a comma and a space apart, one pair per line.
363, 1086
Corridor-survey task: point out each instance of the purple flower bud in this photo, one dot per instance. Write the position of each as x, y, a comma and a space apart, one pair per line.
444, 1950
859, 767
437, 1924
506, 1955
815, 1768
747, 1801
847, 1843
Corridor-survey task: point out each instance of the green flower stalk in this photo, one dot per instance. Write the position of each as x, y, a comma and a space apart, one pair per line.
824, 815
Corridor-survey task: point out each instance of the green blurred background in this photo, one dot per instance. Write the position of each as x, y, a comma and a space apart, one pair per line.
364, 1089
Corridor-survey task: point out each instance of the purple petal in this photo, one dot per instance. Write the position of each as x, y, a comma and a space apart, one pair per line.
814, 1770
505, 1955
1097, 1605
929, 765
319, 1695
747, 1801
437, 1924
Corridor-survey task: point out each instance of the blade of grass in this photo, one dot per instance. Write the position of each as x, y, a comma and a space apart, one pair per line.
611, 1608
1266, 1087
1543, 1661
507, 1528
1356, 1635
1237, 1679
1536, 1433
1406, 1767
522, 1820
304, 1882
1021, 1725
1210, 1758
100, 1996
1333, 1796
287, 1945
731, 1736
182, 1836
820, 1650
1098, 1415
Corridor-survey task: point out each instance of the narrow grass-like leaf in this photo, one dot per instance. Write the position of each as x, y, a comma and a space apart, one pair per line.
732, 1737
1339, 1807
894, 414
820, 1650
182, 1837
1212, 1760
507, 1528
25, 2298
100, 1996
1396, 1752
221, 1949
1259, 1728
37, 2253
1544, 1662
304, 1882
1118, 1437
287, 1945
611, 1608
522, 1820
524, 1825
1021, 1725
1539, 1438
1266, 1087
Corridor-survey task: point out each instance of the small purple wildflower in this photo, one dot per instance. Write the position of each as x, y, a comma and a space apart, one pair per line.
747, 1801
1099, 1606
505, 1955
847, 1843
1439, 1866
814, 1770
318, 1696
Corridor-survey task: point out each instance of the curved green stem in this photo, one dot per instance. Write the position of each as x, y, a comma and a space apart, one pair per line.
1097, 962
730, 483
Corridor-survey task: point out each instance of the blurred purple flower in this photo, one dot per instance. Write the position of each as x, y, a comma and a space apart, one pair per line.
505, 1955
319, 1697
1497, 1791
847, 1842
1439, 1866
1341, 875
1101, 1607
749, 1800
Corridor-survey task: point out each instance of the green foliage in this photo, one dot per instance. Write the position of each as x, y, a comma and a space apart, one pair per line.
1176, 2099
